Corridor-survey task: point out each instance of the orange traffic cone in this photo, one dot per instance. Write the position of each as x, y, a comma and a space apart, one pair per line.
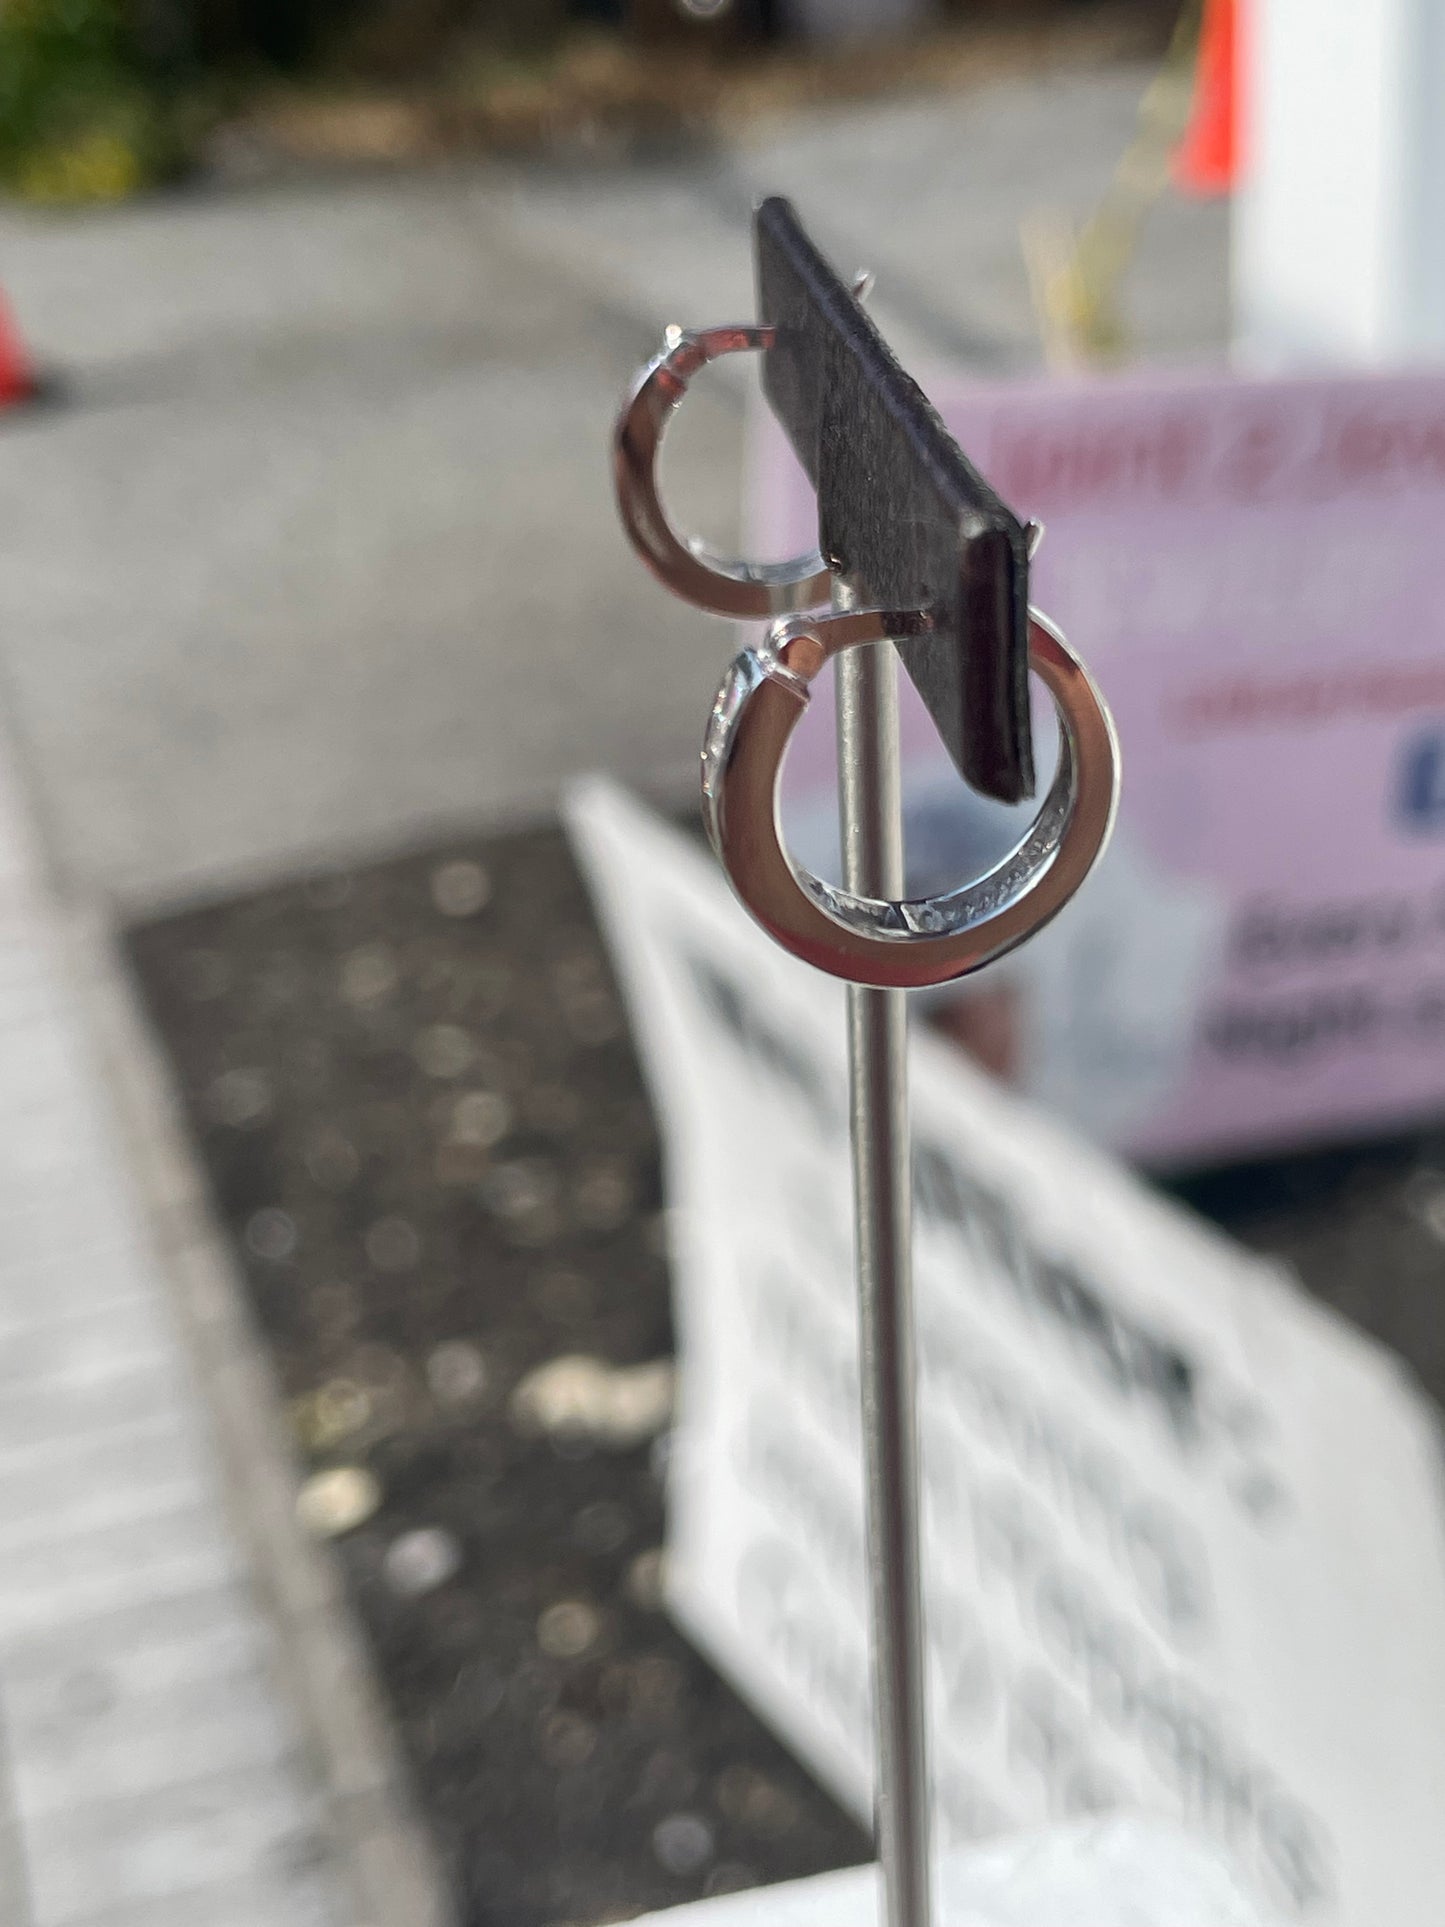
18, 380
1207, 161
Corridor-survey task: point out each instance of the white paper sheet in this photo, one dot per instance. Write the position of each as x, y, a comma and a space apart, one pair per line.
1184, 1550
1106, 1873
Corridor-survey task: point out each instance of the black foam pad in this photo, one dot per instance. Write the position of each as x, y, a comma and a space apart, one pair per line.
902, 512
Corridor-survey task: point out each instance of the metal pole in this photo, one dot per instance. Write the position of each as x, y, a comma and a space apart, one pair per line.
871, 819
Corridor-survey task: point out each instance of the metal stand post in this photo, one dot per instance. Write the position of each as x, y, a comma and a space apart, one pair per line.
924, 535
870, 814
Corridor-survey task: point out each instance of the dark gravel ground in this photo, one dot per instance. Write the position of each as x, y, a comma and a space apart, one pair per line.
424, 1125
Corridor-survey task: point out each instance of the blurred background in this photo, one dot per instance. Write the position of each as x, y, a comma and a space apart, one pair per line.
325, 1136
333, 397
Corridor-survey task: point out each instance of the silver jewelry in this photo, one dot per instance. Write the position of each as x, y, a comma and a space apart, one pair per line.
728, 587
868, 940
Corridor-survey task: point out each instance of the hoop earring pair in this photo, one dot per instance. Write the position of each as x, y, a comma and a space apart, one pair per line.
904, 943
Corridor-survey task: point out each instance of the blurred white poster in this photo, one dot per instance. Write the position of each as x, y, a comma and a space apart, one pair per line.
1118, 1872
1184, 1547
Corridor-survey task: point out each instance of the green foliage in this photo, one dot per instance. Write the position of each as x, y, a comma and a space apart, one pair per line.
82, 114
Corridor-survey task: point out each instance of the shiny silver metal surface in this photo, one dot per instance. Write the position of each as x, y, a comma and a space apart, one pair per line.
726, 586
870, 807
875, 937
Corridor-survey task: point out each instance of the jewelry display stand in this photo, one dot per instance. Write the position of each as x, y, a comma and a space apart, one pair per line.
915, 551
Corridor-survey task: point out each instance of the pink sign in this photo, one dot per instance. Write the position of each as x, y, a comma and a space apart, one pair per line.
1255, 571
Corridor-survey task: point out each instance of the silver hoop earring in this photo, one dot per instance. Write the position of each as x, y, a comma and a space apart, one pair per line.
750, 590
869, 940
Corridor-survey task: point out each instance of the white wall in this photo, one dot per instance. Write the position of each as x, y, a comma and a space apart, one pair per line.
1339, 233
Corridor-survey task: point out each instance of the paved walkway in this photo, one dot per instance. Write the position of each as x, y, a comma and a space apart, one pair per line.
151, 1773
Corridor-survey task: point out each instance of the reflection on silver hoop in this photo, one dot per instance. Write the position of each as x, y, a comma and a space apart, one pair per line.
751, 590
868, 940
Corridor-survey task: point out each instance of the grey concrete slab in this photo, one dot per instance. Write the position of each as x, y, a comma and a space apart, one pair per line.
302, 1897
57, 1412
95, 1746
98, 1485
14, 1882
205, 289
145, 1751
144, 1558
135, 1652
115, 1337
333, 625
313, 1654
15, 1908
57, 1265
61, 1457
223, 1828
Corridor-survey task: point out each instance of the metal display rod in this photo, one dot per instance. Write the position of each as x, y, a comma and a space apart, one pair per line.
870, 815
915, 550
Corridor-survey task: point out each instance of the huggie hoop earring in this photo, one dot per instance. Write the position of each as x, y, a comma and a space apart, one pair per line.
751, 590
869, 940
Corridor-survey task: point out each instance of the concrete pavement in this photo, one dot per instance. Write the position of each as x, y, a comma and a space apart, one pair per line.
152, 1765
320, 556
